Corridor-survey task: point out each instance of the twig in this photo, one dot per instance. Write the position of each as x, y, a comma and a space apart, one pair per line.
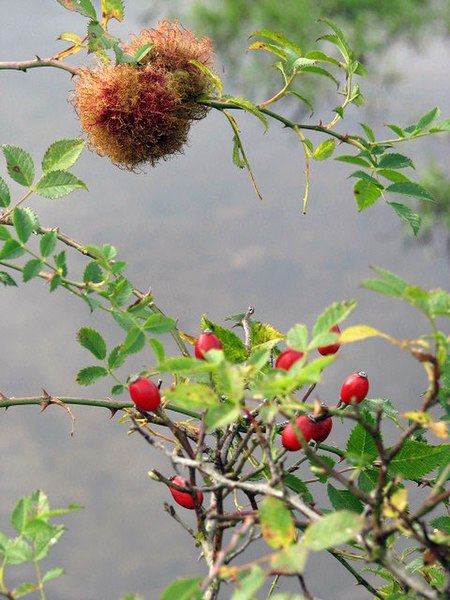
37, 62
246, 326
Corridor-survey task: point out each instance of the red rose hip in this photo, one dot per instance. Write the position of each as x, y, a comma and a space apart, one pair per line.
287, 358
184, 499
144, 393
206, 341
331, 348
290, 439
355, 388
322, 429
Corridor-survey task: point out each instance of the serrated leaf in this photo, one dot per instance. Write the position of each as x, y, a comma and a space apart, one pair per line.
409, 188
298, 486
61, 155
92, 341
332, 315
158, 349
56, 184
395, 161
248, 107
332, 530
84, 7
356, 333
361, 446
297, 337
55, 282
32, 269
392, 175
5, 196
396, 129
366, 177
112, 9
277, 524
354, 160
47, 243
441, 523
90, 375
248, 582
7, 280
406, 214
116, 358
441, 126
278, 38
304, 99
23, 223
324, 150
158, 323
134, 341
344, 500
187, 588
416, 459
11, 249
19, 514
93, 273
52, 574
320, 71
214, 79
222, 415
192, 395
120, 292
23, 589
321, 56
19, 164
99, 39
365, 193
427, 119
260, 333
233, 347
290, 561
338, 39
18, 551
368, 131
117, 389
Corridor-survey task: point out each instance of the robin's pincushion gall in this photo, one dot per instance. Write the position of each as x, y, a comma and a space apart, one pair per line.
141, 113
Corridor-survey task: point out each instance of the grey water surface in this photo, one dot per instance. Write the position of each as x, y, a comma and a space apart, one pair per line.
192, 230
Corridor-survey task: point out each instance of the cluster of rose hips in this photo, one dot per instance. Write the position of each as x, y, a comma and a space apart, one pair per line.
146, 396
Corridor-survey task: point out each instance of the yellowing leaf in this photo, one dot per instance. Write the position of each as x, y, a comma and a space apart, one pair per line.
439, 429
357, 333
396, 503
418, 417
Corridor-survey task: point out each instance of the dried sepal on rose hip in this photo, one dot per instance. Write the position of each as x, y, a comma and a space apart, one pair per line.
355, 388
310, 430
205, 342
184, 499
144, 393
287, 358
141, 113
331, 348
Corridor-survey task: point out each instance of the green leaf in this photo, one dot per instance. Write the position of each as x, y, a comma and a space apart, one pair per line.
99, 38
297, 337
55, 282
344, 500
324, 150
260, 333
56, 184
192, 395
366, 194
332, 315
183, 589
276, 522
5, 196
395, 176
134, 341
332, 530
278, 38
366, 177
290, 561
24, 222
368, 480
416, 459
214, 79
141, 52
396, 129
248, 107
321, 56
441, 126
19, 515
222, 415
11, 249
427, 119
354, 160
248, 582
233, 347
7, 280
60, 262
406, 214
298, 486
395, 161
410, 188
23, 589
320, 71
158, 349
48, 243
338, 39
158, 323
441, 523
93, 273
368, 131
18, 551
84, 7
121, 290
19, 164
361, 446
61, 155
112, 9
230, 382
117, 389
52, 574
303, 99
90, 375
116, 358
32, 269
389, 285
92, 341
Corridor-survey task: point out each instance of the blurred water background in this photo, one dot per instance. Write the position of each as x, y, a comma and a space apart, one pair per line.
193, 231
